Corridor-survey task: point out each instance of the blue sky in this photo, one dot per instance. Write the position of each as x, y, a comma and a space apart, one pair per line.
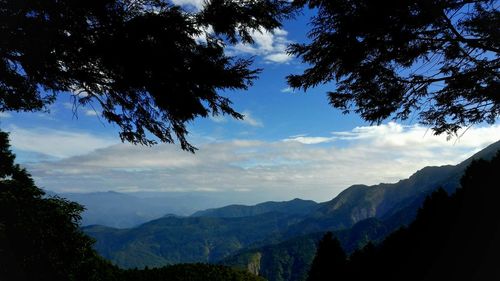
291, 144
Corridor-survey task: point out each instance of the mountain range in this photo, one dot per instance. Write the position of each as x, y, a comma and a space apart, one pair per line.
277, 240
453, 237
126, 210
296, 206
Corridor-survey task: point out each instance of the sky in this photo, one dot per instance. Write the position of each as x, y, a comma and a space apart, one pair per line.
290, 144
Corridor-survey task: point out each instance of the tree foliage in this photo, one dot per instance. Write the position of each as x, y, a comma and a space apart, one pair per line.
329, 262
150, 66
191, 272
40, 238
393, 58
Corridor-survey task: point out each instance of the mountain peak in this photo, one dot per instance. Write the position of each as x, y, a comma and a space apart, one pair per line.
359, 202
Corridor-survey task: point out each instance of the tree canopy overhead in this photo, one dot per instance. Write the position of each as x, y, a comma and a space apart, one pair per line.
149, 65
153, 67
394, 58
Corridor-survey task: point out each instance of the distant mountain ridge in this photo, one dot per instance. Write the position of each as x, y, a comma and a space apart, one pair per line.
278, 261
125, 210
360, 202
365, 212
296, 207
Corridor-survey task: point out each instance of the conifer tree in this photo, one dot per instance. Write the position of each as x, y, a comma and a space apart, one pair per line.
40, 238
329, 262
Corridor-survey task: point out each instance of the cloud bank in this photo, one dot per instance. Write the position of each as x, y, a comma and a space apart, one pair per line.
56, 143
309, 167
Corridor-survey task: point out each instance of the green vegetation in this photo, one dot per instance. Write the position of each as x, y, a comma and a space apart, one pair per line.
188, 272
288, 260
173, 240
291, 259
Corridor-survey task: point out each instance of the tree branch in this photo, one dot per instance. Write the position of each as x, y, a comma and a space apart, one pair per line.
473, 42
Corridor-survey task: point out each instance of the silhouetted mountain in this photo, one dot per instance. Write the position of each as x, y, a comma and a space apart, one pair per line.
295, 206
360, 202
453, 237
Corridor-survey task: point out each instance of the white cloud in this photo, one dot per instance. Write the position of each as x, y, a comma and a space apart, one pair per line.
91, 112
309, 140
287, 90
250, 120
396, 135
77, 108
197, 4
56, 143
218, 118
278, 58
270, 45
280, 170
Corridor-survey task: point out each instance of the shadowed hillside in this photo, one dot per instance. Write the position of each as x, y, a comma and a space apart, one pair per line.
173, 240
454, 237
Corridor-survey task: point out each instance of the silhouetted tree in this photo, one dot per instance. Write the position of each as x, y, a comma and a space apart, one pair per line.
454, 237
149, 65
391, 58
40, 238
363, 263
329, 262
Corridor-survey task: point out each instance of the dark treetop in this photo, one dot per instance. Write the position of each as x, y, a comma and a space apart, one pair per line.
391, 58
148, 64
153, 67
